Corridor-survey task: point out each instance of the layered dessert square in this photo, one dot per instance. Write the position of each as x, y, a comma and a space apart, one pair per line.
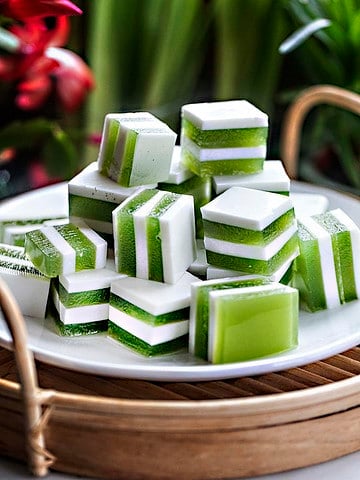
272, 178
93, 197
327, 271
223, 138
25, 281
67, 248
242, 318
136, 149
154, 235
81, 300
150, 317
250, 231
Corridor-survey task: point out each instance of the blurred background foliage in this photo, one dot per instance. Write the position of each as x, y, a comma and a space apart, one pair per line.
156, 55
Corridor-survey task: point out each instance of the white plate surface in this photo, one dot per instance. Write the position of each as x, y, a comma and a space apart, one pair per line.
321, 334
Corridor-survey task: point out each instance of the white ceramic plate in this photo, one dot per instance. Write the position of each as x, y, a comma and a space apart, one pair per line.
321, 334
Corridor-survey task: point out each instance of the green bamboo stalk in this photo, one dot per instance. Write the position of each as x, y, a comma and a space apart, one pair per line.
178, 54
247, 61
110, 47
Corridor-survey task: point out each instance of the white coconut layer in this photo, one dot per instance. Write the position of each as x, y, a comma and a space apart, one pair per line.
152, 335
89, 183
230, 153
140, 220
272, 178
246, 208
224, 115
67, 252
87, 280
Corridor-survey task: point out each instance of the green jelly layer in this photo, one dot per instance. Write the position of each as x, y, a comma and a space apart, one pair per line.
153, 236
225, 138
93, 208
126, 255
343, 257
308, 277
110, 146
127, 159
250, 265
85, 249
200, 189
254, 326
43, 254
81, 299
201, 334
74, 330
143, 348
221, 167
137, 312
234, 234
287, 278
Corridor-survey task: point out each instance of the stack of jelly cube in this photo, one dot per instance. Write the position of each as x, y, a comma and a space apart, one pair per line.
250, 231
139, 216
223, 138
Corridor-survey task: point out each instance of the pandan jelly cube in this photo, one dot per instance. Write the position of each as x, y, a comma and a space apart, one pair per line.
272, 178
327, 271
63, 249
251, 231
252, 322
136, 149
199, 308
81, 300
150, 317
28, 285
93, 197
223, 138
154, 235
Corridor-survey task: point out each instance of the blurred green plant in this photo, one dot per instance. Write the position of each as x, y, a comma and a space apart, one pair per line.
157, 55
327, 44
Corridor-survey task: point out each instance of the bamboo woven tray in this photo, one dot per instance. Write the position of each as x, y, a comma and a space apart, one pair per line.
121, 428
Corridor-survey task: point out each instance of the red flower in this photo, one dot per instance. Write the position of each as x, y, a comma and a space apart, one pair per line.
25, 9
73, 77
40, 64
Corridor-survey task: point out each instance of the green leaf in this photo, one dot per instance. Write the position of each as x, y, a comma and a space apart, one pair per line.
302, 34
60, 155
25, 135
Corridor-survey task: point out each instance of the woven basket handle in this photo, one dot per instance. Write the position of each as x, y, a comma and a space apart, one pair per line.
295, 115
38, 458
